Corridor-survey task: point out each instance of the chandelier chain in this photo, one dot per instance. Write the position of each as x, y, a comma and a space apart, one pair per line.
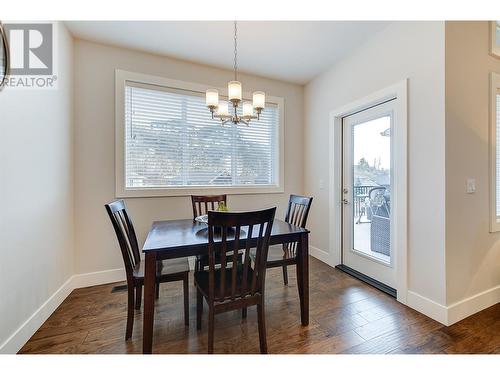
235, 51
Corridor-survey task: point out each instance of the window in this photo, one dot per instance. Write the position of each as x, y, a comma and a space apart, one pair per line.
495, 153
170, 145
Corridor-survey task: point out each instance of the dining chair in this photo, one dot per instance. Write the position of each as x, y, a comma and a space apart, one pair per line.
240, 285
201, 205
167, 271
286, 254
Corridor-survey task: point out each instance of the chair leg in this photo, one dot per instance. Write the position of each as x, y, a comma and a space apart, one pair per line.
196, 267
130, 313
138, 297
186, 299
157, 290
285, 275
199, 308
262, 327
361, 211
211, 321
244, 313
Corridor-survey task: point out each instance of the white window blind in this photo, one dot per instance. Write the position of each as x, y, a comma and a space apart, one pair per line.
171, 141
498, 155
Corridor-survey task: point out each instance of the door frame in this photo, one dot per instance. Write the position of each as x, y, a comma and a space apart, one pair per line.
399, 133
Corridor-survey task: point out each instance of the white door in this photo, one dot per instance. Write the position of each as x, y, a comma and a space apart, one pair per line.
366, 191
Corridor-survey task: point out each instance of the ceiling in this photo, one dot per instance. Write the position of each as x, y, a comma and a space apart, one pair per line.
294, 51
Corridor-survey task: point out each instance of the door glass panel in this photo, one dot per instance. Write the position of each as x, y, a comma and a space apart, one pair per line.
371, 172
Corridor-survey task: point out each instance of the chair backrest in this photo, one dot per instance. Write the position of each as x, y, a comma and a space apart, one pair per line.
125, 233
378, 201
296, 214
376, 193
203, 203
238, 230
298, 210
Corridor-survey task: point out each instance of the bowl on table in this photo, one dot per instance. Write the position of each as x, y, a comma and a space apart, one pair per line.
202, 219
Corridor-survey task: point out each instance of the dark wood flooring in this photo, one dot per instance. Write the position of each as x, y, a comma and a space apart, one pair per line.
347, 316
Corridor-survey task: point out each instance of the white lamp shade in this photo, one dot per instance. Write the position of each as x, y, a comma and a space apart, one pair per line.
234, 90
223, 109
259, 99
247, 109
212, 98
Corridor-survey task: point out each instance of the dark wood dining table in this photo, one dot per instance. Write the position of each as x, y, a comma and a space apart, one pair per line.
183, 238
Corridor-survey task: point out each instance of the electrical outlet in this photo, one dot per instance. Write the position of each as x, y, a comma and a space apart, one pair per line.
471, 186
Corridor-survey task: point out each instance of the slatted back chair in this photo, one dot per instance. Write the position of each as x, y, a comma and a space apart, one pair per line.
298, 210
257, 236
174, 270
296, 214
203, 203
286, 254
241, 285
125, 233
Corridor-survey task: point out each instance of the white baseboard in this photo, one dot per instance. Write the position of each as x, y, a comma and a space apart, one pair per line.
320, 255
83, 280
16, 341
457, 311
471, 305
427, 307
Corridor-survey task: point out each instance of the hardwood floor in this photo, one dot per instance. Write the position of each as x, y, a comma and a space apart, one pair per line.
347, 316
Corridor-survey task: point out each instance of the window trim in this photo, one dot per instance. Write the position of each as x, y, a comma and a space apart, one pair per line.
121, 78
494, 91
494, 48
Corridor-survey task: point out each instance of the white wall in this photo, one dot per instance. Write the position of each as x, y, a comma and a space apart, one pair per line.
97, 248
413, 50
36, 196
472, 253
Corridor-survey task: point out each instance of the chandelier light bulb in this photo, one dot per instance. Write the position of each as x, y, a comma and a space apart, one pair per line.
259, 99
247, 109
212, 98
234, 90
223, 109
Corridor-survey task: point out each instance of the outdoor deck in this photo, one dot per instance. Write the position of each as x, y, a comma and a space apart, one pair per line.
362, 240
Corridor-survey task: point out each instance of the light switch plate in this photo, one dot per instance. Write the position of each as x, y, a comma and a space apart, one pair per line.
471, 185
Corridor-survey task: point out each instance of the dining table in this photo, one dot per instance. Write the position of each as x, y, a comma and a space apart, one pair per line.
171, 239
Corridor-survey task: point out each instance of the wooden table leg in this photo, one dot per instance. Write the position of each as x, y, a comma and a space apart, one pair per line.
149, 302
303, 277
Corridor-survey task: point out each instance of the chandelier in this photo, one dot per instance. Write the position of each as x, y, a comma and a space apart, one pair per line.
220, 110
